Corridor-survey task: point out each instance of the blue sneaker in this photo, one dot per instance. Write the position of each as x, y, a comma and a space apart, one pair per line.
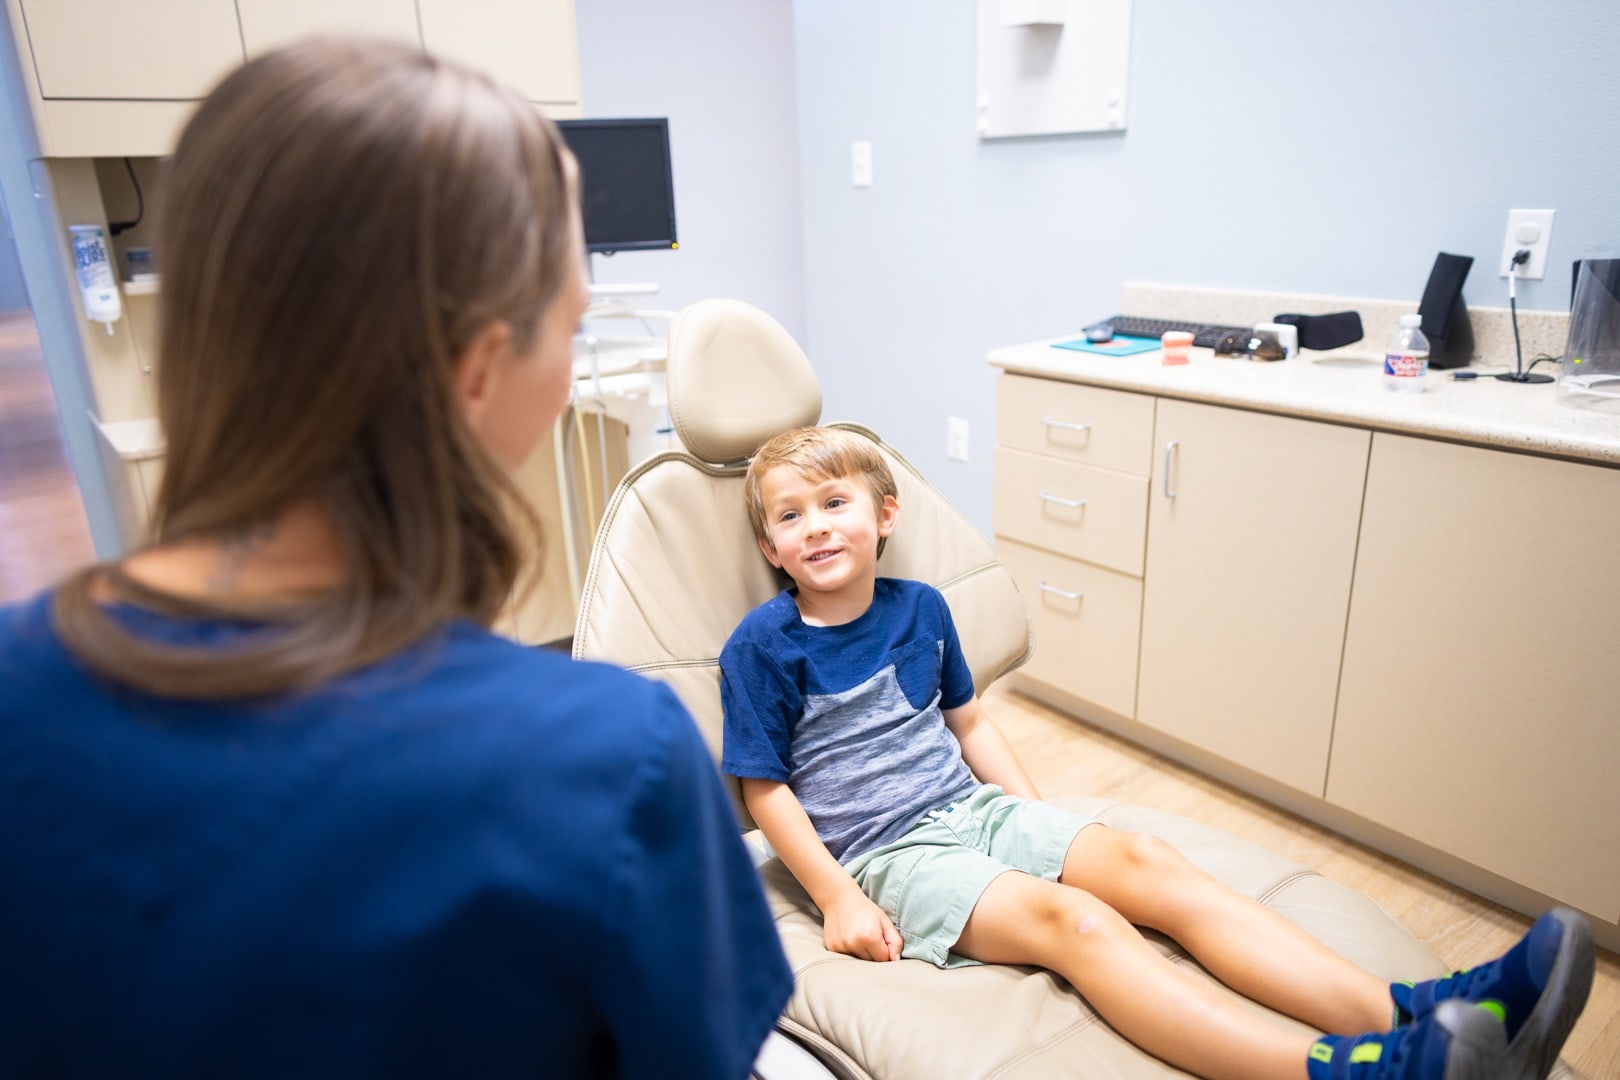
1538, 988
1458, 1041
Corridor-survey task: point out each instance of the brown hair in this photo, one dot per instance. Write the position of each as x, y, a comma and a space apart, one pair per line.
340, 219
817, 453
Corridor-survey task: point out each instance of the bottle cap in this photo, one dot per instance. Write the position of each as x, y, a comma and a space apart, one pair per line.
1413, 319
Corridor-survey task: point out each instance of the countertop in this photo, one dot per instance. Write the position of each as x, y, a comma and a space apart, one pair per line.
1346, 386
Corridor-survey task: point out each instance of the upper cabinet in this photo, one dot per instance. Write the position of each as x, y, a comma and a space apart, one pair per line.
529, 44
118, 78
269, 23
156, 49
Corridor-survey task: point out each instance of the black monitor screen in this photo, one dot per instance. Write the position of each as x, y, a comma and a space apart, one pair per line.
628, 193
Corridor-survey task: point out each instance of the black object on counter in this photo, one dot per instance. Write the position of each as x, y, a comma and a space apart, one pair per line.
1325, 331
1445, 316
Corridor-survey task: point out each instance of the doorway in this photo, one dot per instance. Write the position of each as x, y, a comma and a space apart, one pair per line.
43, 530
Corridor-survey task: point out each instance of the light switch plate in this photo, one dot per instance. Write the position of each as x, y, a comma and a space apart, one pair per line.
1536, 225
860, 163
956, 438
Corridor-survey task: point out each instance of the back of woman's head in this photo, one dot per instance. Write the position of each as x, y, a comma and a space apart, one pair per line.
340, 219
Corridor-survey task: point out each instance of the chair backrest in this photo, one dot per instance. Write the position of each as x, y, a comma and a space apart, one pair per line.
675, 567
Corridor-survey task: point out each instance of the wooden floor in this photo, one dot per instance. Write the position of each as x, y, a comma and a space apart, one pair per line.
1067, 756
43, 532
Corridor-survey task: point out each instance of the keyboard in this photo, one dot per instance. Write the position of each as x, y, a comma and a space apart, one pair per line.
1205, 335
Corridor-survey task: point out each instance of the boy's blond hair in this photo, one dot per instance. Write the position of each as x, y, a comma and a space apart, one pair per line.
818, 453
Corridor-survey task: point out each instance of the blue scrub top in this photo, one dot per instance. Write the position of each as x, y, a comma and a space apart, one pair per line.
472, 859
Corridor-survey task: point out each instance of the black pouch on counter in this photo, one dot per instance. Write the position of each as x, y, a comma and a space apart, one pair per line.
1257, 344
1325, 331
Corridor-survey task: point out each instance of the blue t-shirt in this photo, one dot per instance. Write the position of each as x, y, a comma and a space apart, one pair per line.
472, 859
850, 717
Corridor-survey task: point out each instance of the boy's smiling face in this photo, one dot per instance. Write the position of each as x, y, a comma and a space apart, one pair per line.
824, 532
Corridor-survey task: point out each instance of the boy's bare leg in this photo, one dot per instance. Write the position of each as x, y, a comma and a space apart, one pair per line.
1163, 1009
1244, 944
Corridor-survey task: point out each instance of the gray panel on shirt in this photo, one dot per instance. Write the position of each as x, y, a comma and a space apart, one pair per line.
868, 765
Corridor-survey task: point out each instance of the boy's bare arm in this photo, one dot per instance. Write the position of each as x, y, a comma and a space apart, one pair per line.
852, 923
987, 751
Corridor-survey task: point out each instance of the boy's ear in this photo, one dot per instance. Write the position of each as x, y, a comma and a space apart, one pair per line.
770, 551
888, 515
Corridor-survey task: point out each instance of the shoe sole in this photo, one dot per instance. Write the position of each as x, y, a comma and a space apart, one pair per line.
1534, 1050
1478, 1045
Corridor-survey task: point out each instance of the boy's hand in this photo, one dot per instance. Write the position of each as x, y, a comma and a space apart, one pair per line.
854, 925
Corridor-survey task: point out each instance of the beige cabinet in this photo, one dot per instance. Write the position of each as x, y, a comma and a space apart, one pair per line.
118, 78
1077, 510
269, 23
529, 44
546, 611
1410, 640
1086, 619
1251, 543
164, 49
1071, 516
1479, 710
1084, 424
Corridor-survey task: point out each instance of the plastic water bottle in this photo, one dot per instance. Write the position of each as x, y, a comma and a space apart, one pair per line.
1406, 361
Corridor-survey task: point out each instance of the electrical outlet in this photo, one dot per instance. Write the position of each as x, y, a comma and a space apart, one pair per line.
860, 163
1528, 230
956, 438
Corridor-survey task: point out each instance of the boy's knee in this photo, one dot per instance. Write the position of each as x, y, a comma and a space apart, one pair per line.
1149, 854
1075, 916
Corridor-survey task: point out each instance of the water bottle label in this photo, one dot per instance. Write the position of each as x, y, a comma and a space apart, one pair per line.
1405, 365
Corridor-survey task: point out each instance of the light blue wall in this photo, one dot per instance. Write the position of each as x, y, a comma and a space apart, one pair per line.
722, 71
1271, 144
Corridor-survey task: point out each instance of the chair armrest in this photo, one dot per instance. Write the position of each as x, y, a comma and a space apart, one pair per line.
783, 1059
758, 850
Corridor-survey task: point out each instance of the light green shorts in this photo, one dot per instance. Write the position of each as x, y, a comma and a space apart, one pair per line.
928, 880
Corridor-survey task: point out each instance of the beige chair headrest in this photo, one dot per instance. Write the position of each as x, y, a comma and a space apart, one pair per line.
736, 378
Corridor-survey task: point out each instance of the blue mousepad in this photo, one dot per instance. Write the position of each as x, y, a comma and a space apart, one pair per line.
1120, 345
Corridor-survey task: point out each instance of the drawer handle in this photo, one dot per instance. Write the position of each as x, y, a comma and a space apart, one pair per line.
1066, 425
1072, 504
1169, 454
1055, 591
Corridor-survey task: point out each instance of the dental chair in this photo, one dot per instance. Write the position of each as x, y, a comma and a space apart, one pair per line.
673, 569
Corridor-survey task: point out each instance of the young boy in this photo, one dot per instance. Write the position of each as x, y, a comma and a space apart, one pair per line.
851, 721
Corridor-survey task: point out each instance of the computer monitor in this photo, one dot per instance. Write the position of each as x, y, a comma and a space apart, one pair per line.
627, 187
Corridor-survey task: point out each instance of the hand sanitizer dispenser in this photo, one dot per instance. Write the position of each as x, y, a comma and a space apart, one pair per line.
1591, 364
99, 288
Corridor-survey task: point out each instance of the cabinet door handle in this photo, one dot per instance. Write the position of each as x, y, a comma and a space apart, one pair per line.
1169, 454
1055, 591
1066, 425
1072, 504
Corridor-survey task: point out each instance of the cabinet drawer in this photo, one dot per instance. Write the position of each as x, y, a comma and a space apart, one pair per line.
1098, 515
1108, 428
1086, 621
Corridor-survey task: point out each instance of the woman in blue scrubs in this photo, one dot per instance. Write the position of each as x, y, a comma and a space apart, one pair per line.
275, 800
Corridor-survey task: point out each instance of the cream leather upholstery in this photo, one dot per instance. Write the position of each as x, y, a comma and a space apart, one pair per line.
675, 567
